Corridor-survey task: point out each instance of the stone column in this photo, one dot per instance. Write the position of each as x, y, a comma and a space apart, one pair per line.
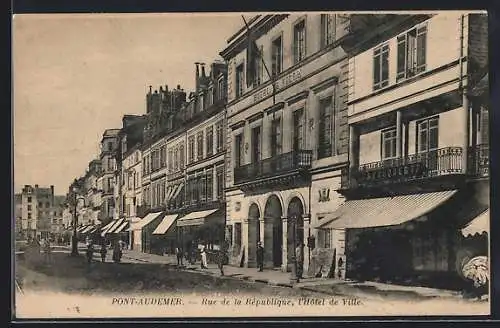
284, 247
465, 129
307, 231
261, 229
399, 135
244, 240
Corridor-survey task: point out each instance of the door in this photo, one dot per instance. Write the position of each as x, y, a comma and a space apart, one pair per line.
277, 242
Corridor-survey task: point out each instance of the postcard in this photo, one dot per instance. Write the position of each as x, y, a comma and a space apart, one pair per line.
236, 165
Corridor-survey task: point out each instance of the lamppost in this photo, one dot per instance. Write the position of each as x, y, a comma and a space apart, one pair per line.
293, 221
74, 238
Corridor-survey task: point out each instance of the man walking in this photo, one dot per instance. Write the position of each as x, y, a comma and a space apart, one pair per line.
260, 257
179, 255
221, 259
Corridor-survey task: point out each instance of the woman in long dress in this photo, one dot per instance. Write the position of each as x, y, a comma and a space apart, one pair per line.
204, 264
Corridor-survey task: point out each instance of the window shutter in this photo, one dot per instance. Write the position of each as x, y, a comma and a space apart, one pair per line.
401, 71
421, 48
376, 69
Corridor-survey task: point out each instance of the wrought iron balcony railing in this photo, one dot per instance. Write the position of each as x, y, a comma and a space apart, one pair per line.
479, 161
283, 163
443, 161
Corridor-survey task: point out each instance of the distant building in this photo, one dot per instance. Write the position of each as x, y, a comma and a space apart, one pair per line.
37, 211
18, 213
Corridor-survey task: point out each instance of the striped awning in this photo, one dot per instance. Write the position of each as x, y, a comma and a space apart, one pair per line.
145, 221
165, 224
479, 225
386, 211
112, 225
177, 191
80, 229
87, 229
119, 227
195, 218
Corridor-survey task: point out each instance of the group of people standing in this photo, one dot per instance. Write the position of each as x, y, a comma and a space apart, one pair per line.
221, 257
118, 247
299, 259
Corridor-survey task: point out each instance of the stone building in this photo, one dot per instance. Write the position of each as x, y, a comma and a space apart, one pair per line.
36, 212
287, 135
418, 147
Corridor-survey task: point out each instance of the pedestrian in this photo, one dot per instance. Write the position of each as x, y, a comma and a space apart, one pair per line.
299, 259
104, 251
260, 256
204, 264
47, 249
116, 252
221, 260
90, 252
179, 255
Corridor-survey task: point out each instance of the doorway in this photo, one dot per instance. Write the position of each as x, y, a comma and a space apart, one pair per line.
273, 236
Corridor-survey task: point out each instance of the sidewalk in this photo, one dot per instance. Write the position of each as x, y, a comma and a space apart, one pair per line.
372, 290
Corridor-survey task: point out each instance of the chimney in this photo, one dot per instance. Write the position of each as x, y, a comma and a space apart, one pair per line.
197, 78
150, 89
36, 186
203, 75
178, 86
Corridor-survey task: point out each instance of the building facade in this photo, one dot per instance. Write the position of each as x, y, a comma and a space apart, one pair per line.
105, 181
37, 205
287, 135
417, 156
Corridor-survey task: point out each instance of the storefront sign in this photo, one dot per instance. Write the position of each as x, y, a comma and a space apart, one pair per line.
280, 84
324, 195
414, 170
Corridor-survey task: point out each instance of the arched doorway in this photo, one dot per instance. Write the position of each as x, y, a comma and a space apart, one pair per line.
295, 225
273, 235
253, 233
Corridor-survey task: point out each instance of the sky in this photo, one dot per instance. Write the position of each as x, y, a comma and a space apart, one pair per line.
76, 75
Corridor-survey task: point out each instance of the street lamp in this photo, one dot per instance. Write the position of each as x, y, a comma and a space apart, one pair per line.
293, 221
74, 238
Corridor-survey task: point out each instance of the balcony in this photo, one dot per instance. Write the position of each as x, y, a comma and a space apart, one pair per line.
479, 161
289, 164
435, 163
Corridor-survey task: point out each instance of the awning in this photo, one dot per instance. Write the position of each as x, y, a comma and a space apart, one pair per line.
121, 227
479, 225
144, 222
113, 224
107, 226
80, 229
165, 224
87, 229
177, 191
194, 218
386, 211
116, 226
169, 194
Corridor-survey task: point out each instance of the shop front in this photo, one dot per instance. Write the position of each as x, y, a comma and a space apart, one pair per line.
165, 234
205, 227
408, 239
142, 231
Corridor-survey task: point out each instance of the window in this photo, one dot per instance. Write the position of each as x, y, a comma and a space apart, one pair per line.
411, 52
29, 199
298, 130
40, 204
276, 137
256, 140
239, 80
221, 89
237, 235
210, 184
220, 182
110, 145
328, 26
299, 41
427, 142
29, 216
276, 56
176, 159
381, 67
427, 134
220, 136
163, 156
210, 141
238, 150
199, 143
191, 149
181, 156
29, 207
259, 68
171, 160
203, 187
389, 143
325, 127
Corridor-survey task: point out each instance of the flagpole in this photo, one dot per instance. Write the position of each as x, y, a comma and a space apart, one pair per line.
264, 63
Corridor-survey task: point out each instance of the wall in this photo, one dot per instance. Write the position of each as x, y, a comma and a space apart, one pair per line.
443, 47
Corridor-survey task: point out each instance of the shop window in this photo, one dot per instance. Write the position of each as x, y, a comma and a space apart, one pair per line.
381, 67
412, 47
